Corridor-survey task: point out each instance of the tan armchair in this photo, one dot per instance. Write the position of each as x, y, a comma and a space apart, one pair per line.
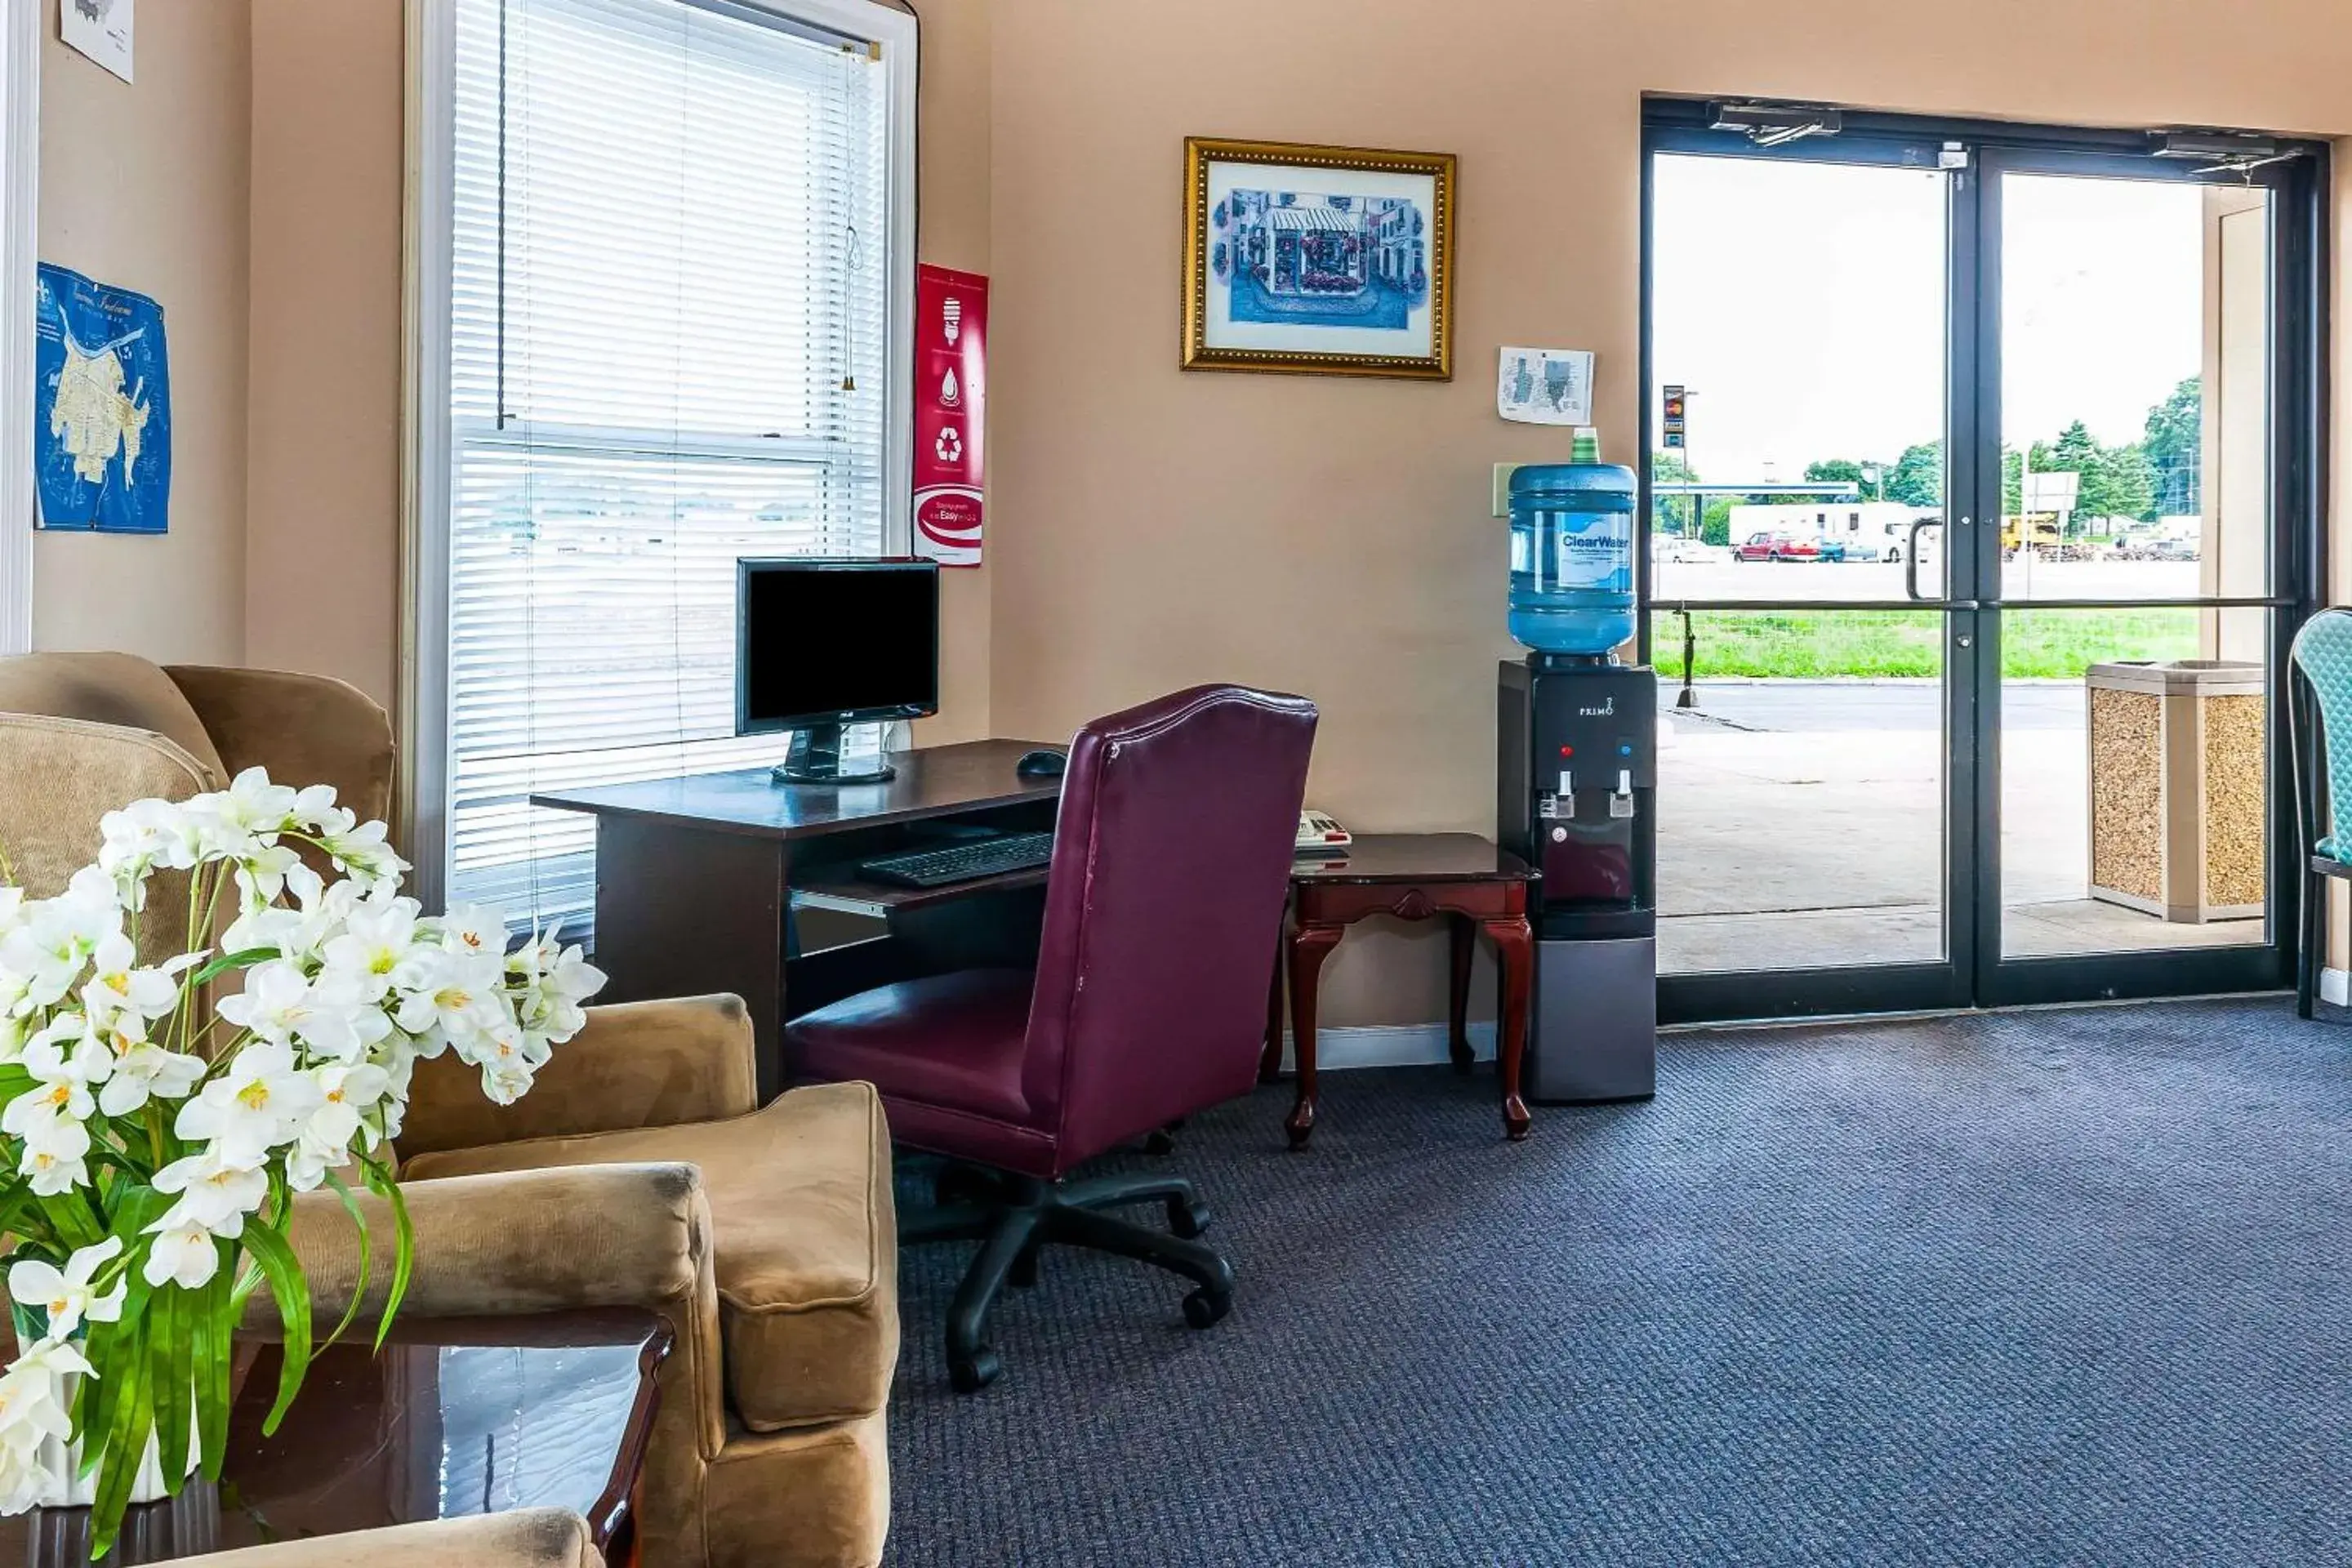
639, 1172
527, 1537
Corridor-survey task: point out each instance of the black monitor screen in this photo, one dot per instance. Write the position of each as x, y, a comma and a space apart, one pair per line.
827, 642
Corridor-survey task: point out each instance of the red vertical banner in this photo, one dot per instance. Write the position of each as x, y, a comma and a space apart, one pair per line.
950, 399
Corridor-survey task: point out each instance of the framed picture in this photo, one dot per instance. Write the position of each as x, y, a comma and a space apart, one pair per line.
1325, 261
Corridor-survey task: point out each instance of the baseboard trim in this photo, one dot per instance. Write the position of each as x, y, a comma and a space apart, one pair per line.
2335, 987
1390, 1046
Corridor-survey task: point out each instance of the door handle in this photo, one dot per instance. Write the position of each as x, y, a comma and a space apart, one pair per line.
1911, 557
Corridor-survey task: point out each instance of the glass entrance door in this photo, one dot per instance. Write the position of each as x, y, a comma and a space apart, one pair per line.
1978, 517
2134, 369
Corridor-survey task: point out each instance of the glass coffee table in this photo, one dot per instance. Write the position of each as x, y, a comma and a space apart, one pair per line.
456, 1415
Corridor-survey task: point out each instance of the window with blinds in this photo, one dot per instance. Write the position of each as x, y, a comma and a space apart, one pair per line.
669, 324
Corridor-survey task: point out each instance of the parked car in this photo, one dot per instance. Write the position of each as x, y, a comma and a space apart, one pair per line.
1785, 547
2171, 549
1676, 548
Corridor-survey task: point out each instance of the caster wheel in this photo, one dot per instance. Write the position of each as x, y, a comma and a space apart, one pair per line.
1201, 1309
984, 1366
1188, 1221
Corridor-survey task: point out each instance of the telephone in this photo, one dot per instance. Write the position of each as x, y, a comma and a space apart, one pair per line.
1319, 835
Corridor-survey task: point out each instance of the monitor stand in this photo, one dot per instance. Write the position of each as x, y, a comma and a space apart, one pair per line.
815, 759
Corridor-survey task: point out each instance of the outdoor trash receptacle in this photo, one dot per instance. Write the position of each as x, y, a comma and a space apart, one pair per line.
2178, 758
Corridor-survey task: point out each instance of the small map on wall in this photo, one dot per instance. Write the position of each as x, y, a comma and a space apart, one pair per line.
102, 407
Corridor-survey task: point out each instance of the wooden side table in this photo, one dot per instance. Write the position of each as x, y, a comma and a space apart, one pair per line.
1415, 877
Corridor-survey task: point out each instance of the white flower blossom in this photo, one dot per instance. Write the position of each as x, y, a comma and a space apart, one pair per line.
67, 1294
216, 1191
187, 1255
237, 822
259, 1103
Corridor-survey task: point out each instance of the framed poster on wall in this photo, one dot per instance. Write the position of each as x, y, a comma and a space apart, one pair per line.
1330, 261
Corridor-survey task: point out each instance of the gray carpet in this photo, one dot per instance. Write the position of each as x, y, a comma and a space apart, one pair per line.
2032, 1289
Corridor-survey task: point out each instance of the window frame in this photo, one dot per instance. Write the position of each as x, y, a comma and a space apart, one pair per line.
20, 169
423, 715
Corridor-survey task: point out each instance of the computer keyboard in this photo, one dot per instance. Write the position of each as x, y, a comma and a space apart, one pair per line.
961, 862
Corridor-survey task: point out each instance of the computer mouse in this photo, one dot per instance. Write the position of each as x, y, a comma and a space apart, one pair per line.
1041, 765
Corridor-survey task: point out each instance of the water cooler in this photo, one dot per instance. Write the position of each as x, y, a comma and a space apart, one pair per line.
1577, 774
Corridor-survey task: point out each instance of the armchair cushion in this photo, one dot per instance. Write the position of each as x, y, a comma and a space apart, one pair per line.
117, 689
807, 1242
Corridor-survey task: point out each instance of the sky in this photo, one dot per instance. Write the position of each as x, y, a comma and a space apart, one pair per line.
1803, 305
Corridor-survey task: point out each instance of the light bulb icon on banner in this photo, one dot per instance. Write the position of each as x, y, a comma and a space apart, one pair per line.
952, 316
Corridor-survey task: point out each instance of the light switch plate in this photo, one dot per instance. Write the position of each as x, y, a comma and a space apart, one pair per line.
1503, 489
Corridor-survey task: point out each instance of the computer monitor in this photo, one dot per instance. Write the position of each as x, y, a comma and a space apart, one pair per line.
821, 644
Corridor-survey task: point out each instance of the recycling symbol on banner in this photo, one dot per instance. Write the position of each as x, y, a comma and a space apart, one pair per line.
950, 445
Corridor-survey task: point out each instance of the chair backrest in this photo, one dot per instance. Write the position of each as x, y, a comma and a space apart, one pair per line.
2323, 656
116, 688
1163, 910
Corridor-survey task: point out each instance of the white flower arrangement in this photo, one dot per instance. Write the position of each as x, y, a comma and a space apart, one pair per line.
152, 1137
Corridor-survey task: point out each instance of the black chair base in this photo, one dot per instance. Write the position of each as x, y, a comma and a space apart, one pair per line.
1014, 1217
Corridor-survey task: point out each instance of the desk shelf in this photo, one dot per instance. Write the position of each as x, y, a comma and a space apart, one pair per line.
839, 887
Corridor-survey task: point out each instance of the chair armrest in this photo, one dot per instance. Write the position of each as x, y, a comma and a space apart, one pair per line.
636, 1064
59, 776
527, 1537
305, 728
516, 1243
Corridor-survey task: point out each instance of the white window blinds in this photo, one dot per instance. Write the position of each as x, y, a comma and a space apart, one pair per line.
670, 307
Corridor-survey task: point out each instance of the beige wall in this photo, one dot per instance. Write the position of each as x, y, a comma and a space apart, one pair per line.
322, 440
145, 186
1330, 535
955, 151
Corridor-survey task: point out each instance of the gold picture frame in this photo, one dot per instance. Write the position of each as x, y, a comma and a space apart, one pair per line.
1357, 280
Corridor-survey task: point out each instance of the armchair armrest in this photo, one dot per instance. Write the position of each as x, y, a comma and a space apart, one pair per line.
518, 1242
305, 728
527, 1537
637, 1064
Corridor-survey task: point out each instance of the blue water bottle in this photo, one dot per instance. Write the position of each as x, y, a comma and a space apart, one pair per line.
1572, 552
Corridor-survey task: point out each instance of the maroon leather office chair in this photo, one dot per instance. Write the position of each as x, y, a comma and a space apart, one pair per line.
1163, 912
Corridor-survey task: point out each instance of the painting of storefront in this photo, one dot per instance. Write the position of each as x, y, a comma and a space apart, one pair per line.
1321, 260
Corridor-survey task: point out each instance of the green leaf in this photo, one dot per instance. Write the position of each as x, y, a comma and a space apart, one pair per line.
229, 961
109, 1347
381, 1182
213, 1344
126, 1446
172, 1358
367, 1255
278, 1265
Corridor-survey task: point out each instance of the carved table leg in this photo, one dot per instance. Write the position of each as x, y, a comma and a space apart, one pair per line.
1269, 1061
1465, 934
1310, 945
1515, 946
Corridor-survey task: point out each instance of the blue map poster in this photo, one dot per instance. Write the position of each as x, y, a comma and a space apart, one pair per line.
102, 408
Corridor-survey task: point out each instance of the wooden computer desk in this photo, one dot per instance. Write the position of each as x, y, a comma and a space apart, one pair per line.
694, 876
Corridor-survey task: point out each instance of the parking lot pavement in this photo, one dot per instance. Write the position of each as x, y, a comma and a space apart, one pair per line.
1801, 823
